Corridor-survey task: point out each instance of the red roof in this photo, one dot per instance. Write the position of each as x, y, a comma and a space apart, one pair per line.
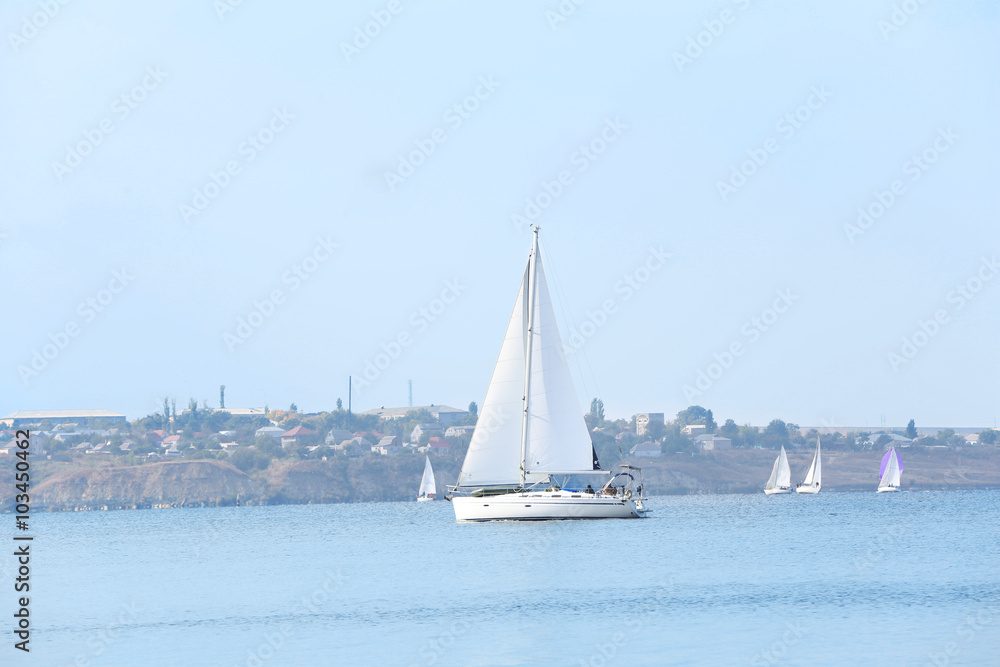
297, 431
438, 442
172, 438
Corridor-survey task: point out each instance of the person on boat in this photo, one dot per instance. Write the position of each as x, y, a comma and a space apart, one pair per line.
590, 489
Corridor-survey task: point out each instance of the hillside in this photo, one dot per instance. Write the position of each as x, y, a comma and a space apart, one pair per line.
62, 486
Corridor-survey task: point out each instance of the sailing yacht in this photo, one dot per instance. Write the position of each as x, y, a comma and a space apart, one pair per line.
891, 469
531, 430
428, 489
813, 481
780, 480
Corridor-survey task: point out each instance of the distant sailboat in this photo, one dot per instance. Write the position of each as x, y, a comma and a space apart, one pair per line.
780, 480
813, 481
428, 488
531, 430
892, 468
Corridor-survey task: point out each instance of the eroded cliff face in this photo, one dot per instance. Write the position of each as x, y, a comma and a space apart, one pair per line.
170, 483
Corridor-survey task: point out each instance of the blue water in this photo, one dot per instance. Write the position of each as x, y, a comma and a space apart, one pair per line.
836, 579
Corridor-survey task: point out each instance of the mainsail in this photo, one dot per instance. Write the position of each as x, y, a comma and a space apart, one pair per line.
549, 421
784, 471
427, 485
814, 474
891, 469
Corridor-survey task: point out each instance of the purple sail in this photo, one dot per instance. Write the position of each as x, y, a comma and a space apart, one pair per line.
885, 462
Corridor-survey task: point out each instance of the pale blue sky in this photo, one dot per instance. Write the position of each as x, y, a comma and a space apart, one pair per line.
342, 125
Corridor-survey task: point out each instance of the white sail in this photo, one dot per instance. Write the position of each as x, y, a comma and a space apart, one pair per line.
557, 439
494, 455
784, 472
890, 478
427, 485
773, 479
815, 471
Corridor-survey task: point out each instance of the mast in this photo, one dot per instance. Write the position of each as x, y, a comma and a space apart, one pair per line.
530, 298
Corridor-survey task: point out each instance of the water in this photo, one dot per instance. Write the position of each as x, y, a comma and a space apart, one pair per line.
850, 578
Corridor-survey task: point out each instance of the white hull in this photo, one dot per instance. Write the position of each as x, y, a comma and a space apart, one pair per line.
887, 489
422, 499
541, 506
774, 492
807, 489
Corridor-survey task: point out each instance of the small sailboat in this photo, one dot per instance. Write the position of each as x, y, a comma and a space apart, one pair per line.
531, 430
891, 469
428, 489
780, 480
813, 481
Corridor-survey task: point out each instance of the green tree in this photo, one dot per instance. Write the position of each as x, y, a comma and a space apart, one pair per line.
749, 436
595, 417
340, 404
988, 437
776, 434
222, 397
473, 410
911, 430
730, 430
655, 431
696, 414
293, 408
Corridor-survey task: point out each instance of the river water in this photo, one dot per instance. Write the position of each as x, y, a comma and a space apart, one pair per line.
839, 578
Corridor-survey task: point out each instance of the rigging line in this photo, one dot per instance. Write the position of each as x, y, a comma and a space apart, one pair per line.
561, 298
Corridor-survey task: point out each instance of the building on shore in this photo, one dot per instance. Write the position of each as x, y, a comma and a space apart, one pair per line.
446, 415
29, 417
643, 419
712, 442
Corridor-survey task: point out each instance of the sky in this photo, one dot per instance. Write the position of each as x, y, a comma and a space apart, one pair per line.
770, 209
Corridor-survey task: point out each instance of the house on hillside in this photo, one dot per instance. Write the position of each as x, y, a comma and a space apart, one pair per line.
445, 414
438, 445
292, 436
388, 446
420, 429
272, 431
338, 435
711, 442
694, 429
647, 449
624, 436
170, 441
456, 431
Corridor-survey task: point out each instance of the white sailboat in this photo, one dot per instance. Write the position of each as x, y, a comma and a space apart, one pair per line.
780, 480
428, 489
531, 430
813, 480
892, 469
